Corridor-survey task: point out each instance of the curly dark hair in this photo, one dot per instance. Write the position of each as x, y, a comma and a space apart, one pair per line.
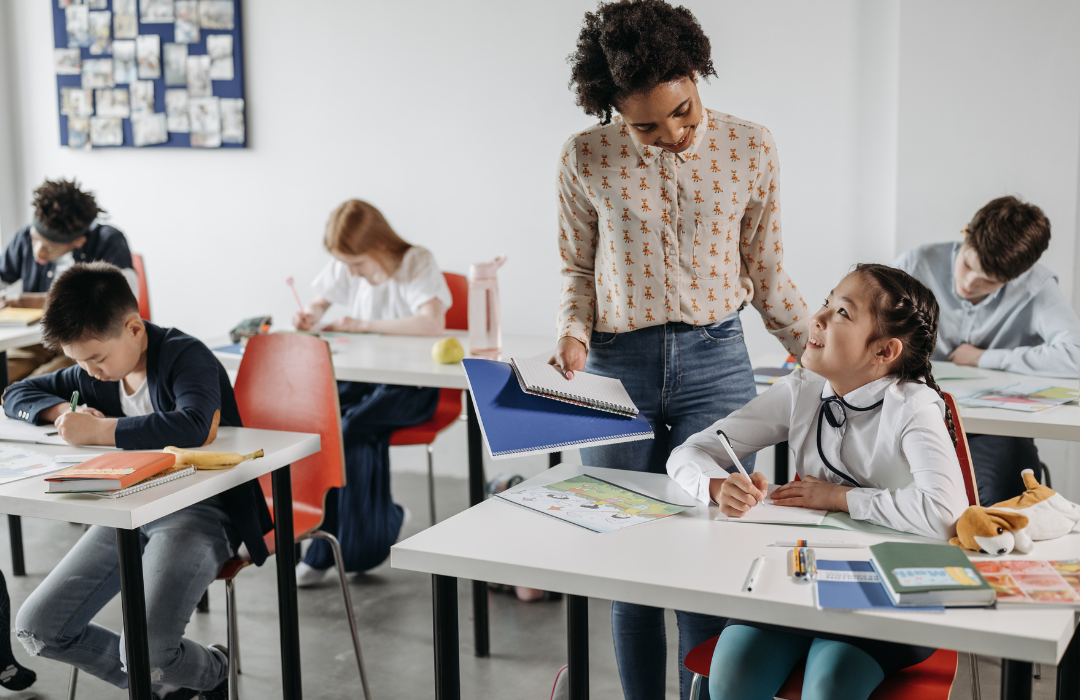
62, 207
633, 46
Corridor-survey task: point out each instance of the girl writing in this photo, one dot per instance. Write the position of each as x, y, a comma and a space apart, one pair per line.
872, 436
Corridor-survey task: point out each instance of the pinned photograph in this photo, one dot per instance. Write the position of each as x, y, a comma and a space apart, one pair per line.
176, 56
148, 51
149, 129
124, 65
100, 32
98, 4
106, 131
76, 102
77, 20
125, 22
112, 103
220, 49
205, 114
155, 11
216, 14
67, 61
142, 98
97, 73
232, 120
198, 76
186, 30
176, 109
78, 132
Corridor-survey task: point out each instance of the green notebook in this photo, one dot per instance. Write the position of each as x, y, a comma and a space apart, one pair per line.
929, 574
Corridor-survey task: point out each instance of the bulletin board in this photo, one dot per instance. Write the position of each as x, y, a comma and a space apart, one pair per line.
149, 73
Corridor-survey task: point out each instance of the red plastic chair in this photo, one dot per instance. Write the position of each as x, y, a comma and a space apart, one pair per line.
930, 680
139, 266
449, 408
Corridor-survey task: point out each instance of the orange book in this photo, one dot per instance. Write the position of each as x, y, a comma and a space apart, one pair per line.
110, 472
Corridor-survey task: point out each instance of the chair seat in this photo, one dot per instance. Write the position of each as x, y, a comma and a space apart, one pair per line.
448, 411
305, 520
930, 680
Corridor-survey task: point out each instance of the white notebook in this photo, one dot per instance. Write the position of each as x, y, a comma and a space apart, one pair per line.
171, 474
592, 390
767, 512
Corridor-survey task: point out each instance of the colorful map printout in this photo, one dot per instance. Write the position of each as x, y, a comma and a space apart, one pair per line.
1022, 396
592, 503
1031, 582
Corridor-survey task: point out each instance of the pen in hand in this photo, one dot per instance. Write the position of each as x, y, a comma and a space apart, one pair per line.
74, 400
734, 458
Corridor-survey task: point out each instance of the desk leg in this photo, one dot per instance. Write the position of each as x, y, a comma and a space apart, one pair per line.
476, 495
1015, 680
18, 564
780, 463
288, 620
445, 614
1068, 671
577, 642
129, 547
554, 459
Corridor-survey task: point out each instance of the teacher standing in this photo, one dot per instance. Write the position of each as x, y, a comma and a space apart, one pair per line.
669, 224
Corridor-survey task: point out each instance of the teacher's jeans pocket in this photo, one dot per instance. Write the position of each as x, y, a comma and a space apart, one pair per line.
724, 332
601, 339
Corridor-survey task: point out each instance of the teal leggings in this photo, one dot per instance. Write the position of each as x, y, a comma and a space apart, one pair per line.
751, 664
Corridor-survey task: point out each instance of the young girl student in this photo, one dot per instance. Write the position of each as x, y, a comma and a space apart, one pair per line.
871, 436
386, 286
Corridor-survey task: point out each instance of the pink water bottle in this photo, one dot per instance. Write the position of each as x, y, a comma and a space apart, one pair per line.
485, 333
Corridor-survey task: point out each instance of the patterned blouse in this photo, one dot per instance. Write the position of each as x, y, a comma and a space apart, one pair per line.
650, 237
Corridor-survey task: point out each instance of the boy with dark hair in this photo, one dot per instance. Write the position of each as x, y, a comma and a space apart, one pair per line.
1000, 310
65, 231
145, 387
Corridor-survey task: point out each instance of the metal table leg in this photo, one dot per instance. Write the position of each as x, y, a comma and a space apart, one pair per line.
129, 547
780, 463
18, 564
288, 619
1068, 671
445, 616
476, 495
1015, 680
554, 459
577, 642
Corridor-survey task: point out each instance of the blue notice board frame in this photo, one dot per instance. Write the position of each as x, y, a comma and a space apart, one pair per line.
220, 88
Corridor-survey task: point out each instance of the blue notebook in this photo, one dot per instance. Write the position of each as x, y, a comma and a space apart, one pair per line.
515, 423
854, 585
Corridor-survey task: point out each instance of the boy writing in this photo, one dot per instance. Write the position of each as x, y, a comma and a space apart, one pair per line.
145, 387
65, 231
1000, 310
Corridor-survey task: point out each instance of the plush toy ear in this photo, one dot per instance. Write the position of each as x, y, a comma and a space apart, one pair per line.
1008, 519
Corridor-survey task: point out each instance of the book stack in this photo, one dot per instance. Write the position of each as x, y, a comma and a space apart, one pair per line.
117, 475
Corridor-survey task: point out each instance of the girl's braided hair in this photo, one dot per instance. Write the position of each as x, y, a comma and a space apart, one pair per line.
906, 310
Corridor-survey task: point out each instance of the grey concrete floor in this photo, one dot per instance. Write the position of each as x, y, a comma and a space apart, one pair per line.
393, 608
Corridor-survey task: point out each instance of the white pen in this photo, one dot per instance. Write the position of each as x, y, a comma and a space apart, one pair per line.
731, 453
837, 544
752, 577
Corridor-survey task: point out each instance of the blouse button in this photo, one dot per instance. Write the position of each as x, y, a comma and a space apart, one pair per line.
49, 273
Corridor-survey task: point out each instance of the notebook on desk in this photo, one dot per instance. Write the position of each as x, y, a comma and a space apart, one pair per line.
516, 423
13, 316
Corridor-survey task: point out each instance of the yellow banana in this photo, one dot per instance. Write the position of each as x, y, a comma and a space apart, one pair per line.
209, 460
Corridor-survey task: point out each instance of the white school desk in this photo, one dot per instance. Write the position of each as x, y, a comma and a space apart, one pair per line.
19, 336
28, 497
690, 562
406, 360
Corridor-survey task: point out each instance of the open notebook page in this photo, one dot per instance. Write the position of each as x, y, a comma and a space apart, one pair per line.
766, 512
589, 389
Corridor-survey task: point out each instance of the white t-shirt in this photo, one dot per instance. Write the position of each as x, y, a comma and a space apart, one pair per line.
417, 281
138, 404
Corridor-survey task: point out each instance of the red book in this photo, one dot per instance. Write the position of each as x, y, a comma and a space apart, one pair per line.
110, 472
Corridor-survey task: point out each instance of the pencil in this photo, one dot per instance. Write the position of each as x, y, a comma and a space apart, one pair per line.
74, 400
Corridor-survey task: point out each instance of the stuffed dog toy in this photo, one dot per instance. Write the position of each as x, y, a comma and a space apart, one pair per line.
1040, 513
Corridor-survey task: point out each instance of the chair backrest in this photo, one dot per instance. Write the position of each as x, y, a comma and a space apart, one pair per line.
286, 382
457, 317
963, 451
139, 266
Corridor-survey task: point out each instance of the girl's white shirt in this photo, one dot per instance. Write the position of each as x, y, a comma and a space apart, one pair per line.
900, 453
417, 281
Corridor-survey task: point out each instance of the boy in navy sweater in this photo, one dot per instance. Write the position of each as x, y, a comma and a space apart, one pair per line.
65, 231
145, 387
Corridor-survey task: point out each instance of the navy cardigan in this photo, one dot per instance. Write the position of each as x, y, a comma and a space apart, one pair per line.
103, 243
190, 392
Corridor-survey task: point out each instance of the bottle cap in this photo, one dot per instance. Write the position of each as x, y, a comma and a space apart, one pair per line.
486, 270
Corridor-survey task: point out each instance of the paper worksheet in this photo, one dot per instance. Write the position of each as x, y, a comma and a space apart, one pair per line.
767, 512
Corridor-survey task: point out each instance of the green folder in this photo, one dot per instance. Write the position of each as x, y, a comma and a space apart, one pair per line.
929, 574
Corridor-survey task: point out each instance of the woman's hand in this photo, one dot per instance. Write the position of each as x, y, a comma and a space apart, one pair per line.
570, 355
737, 494
346, 324
812, 492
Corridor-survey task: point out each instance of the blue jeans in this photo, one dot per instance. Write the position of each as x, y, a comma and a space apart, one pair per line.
362, 514
182, 555
682, 378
